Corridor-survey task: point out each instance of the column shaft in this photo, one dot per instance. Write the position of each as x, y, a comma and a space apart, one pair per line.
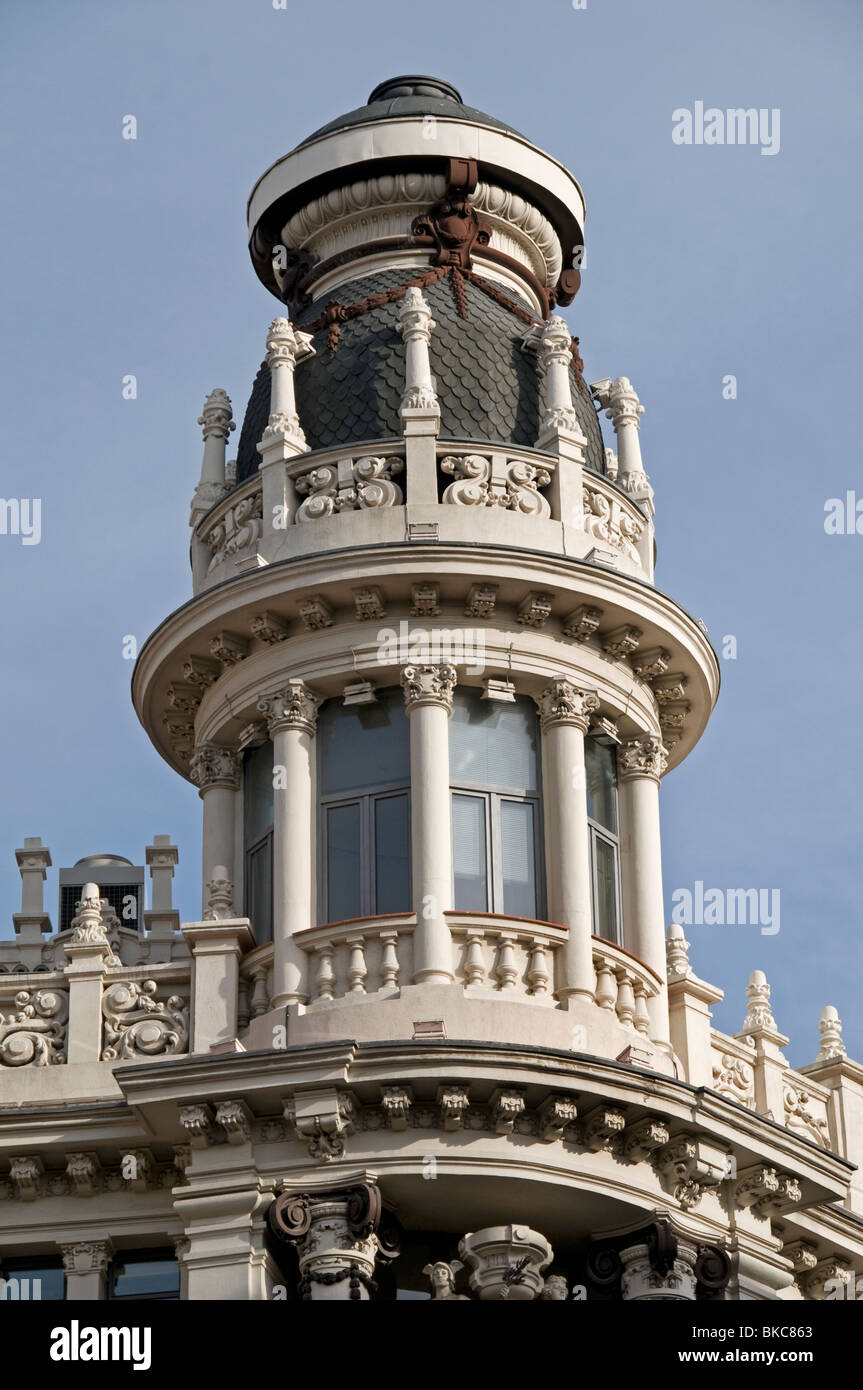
293, 863
428, 699
567, 851
640, 765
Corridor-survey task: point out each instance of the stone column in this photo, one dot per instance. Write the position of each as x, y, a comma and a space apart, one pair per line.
283, 437
292, 717
338, 1234
217, 947
564, 713
217, 425
623, 410
88, 952
214, 772
86, 1265
770, 1065
553, 346
641, 762
428, 692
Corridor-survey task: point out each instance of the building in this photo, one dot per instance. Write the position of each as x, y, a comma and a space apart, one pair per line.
428, 1035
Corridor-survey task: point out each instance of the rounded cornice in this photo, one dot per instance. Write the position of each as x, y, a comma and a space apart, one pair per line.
318, 618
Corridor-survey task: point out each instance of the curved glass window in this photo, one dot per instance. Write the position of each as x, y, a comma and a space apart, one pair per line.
364, 802
601, 775
258, 840
496, 820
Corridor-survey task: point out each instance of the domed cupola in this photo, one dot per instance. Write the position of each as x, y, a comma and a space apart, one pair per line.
415, 189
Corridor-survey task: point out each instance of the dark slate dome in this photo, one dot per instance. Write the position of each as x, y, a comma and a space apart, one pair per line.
490, 389
409, 96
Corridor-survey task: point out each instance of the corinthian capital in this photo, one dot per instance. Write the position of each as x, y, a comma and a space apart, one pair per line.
620, 401
295, 707
643, 756
415, 318
213, 766
563, 703
428, 685
553, 343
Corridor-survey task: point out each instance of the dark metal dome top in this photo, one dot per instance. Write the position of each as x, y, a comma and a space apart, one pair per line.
412, 95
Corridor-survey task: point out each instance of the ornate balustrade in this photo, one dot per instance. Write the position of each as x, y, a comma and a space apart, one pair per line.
360, 957
472, 482
623, 984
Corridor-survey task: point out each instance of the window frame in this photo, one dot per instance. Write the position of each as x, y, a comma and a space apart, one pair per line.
365, 798
597, 831
149, 1255
492, 801
265, 842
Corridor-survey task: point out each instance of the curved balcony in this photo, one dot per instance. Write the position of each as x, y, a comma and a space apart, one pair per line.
374, 494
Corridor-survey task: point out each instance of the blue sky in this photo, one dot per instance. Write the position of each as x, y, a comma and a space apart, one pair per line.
129, 257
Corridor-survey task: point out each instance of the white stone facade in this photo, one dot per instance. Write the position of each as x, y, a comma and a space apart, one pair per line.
318, 1108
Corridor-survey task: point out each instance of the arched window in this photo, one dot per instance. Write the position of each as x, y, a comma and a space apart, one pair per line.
364, 799
496, 817
601, 775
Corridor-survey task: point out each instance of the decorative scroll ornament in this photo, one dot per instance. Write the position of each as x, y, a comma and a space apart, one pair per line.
239, 529
732, 1077
35, 1033
644, 756
799, 1115
349, 485
563, 703
496, 482
139, 1025
429, 685
607, 520
295, 707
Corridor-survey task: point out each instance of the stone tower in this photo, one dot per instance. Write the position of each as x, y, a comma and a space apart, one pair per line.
427, 1035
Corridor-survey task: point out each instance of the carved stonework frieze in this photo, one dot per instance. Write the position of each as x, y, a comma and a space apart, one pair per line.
228, 648
268, 628
369, 604
33, 1034
607, 519
621, 642
506, 1107
602, 1127
238, 531
732, 1077
397, 1103
197, 1121
315, 614
136, 1024
425, 601
85, 1174
689, 1166
799, 1115
27, 1174
651, 663
349, 485
534, 610
496, 481
235, 1118
555, 1114
643, 1139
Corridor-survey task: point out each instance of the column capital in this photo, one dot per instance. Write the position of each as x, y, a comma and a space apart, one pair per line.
286, 345
213, 766
295, 707
642, 756
415, 318
86, 1256
563, 703
619, 400
428, 685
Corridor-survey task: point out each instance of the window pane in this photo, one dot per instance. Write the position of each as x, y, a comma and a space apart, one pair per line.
605, 907
257, 793
259, 889
364, 745
492, 744
601, 773
469, 853
33, 1281
392, 854
518, 858
344, 895
133, 1277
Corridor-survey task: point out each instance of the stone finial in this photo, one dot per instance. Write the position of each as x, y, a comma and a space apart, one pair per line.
622, 408
676, 950
87, 925
830, 1028
286, 346
415, 326
217, 422
758, 997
